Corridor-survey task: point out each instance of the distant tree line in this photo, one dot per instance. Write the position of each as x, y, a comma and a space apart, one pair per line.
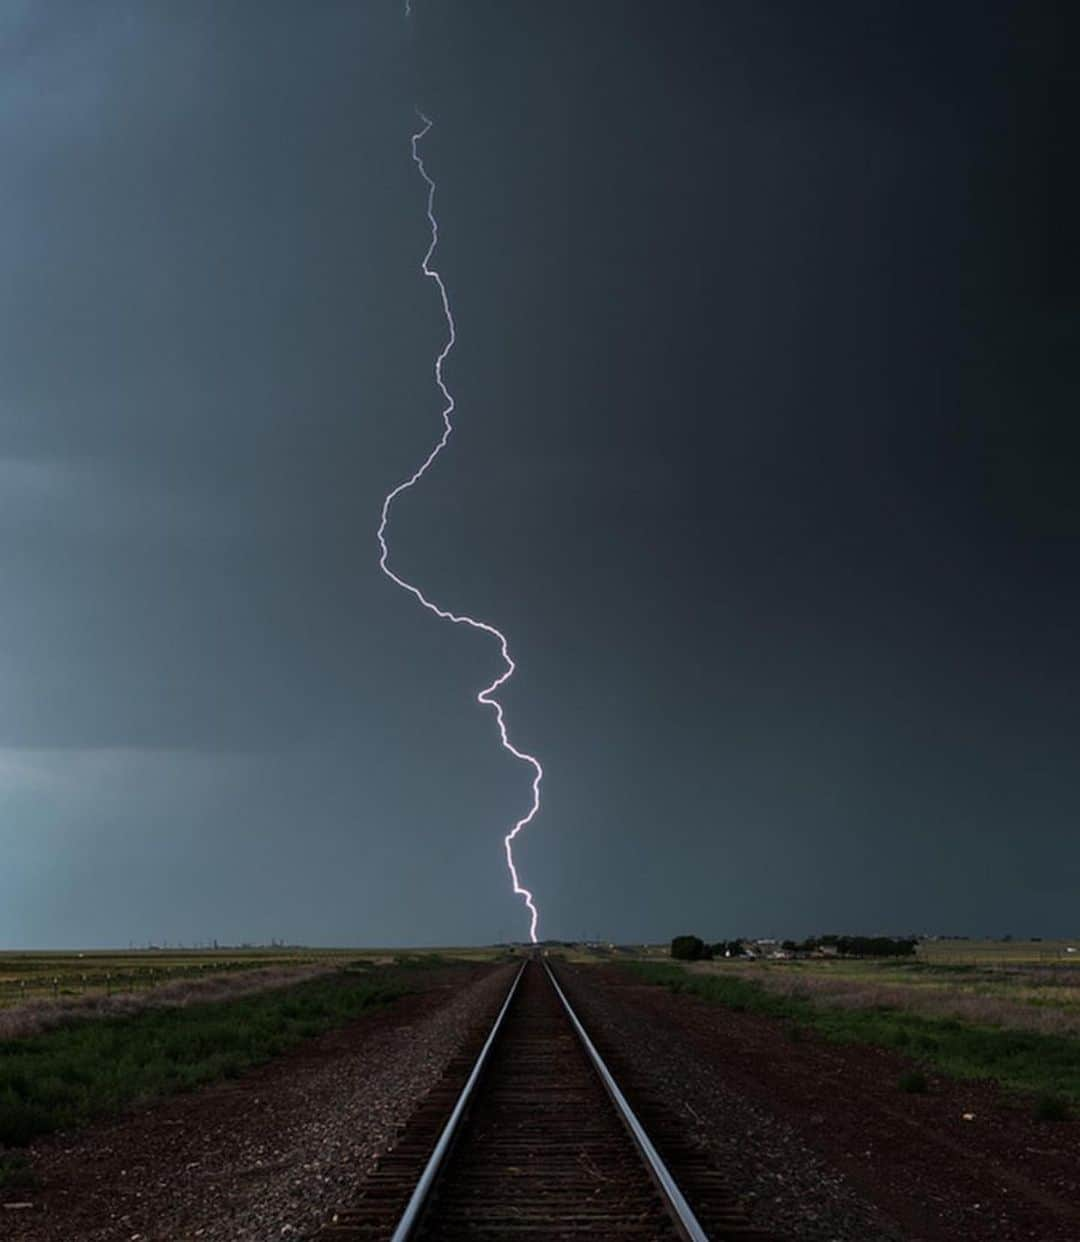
857, 946
694, 949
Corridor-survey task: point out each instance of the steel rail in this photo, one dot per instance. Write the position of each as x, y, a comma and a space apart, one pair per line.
682, 1210
415, 1206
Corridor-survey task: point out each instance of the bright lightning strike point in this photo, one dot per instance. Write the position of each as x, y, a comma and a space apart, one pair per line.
487, 695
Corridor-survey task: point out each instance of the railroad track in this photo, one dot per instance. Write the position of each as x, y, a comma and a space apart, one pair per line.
532, 1138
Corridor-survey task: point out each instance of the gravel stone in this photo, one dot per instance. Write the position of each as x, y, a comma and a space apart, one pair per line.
784, 1185
822, 1138
269, 1155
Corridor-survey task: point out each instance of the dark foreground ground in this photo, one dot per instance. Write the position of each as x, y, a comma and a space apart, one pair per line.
821, 1138
268, 1155
817, 1138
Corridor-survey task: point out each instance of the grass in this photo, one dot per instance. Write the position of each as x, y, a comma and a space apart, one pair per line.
39, 1015
1051, 1108
1044, 999
16, 1172
998, 952
914, 1082
1020, 1060
54, 975
68, 1076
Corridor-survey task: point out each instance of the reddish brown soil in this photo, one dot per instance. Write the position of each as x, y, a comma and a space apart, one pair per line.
236, 1160
1001, 1175
226, 1161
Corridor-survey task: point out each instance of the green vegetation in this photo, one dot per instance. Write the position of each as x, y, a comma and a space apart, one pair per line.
914, 1082
694, 949
52, 976
1051, 1108
856, 946
689, 948
727, 989
728, 948
1043, 998
67, 1076
46, 975
1007, 951
1022, 1060
16, 1172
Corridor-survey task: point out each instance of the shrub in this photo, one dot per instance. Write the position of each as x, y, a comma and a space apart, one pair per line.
914, 1083
689, 948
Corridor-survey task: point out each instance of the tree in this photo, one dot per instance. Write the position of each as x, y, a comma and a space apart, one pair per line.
876, 946
728, 948
689, 948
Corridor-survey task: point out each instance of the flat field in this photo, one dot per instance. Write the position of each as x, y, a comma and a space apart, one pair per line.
64, 1062
38, 975
1022, 995
956, 1131
1012, 1021
999, 952
48, 974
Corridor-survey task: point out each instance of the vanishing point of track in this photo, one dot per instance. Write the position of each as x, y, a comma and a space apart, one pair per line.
532, 1138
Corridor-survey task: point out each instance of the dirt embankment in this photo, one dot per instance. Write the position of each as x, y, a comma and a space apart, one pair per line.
267, 1156
822, 1138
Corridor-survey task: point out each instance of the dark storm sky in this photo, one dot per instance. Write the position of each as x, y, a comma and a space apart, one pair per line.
767, 380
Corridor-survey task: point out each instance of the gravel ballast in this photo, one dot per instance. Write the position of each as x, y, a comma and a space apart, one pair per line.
785, 1186
267, 1156
820, 1137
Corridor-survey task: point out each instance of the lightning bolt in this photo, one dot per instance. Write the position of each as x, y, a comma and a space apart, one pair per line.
487, 695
